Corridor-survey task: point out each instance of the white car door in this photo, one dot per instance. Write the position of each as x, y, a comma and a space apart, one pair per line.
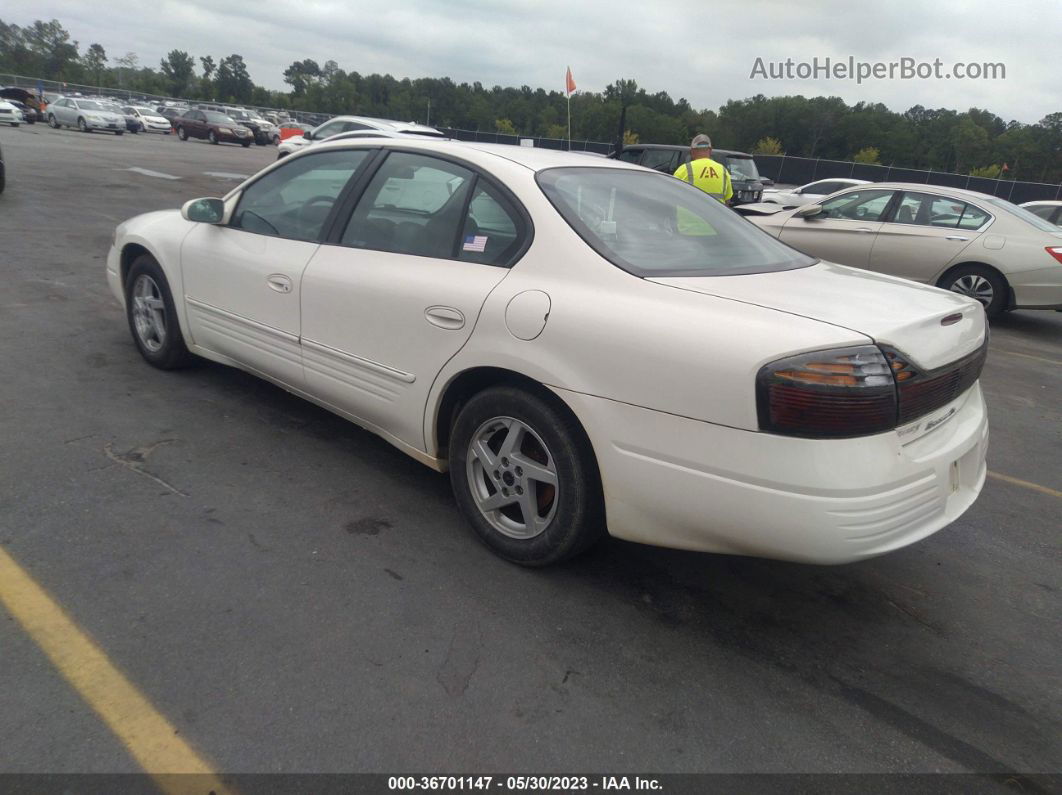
923, 233
844, 232
242, 281
400, 291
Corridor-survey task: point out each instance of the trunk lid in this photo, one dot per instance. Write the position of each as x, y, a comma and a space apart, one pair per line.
896, 312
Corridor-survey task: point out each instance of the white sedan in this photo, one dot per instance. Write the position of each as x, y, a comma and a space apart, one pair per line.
586, 345
810, 193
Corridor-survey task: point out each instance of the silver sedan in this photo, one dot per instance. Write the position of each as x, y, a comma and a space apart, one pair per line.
971, 243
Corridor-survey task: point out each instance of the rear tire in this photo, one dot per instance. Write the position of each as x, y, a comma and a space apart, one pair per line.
985, 284
506, 446
152, 317
119, 132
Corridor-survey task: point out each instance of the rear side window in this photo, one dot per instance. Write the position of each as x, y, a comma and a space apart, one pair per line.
664, 160
656, 225
414, 204
494, 232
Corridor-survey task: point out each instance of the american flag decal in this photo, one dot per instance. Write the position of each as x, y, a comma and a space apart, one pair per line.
475, 243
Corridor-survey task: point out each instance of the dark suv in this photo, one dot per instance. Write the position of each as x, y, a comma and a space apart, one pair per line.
215, 127
667, 158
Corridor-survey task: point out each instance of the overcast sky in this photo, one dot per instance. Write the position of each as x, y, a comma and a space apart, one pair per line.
703, 51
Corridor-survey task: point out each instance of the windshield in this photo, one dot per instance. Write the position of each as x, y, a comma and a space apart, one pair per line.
90, 104
217, 118
239, 114
655, 225
1030, 218
741, 167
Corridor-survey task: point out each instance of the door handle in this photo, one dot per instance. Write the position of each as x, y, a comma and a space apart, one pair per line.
956, 237
279, 282
445, 317
864, 229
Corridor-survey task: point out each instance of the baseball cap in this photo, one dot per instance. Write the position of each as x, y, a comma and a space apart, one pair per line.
701, 141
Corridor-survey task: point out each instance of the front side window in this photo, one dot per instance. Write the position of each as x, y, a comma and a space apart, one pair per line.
821, 188
653, 225
740, 167
294, 201
630, 155
213, 117
413, 205
860, 205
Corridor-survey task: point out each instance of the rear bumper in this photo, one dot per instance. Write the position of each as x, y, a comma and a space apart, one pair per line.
676, 482
1039, 289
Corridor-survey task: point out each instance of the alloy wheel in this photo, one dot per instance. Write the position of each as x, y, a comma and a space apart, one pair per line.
974, 286
149, 313
513, 477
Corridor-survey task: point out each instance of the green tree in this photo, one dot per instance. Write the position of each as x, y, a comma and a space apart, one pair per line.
767, 146
302, 74
207, 62
868, 154
178, 69
233, 82
505, 126
95, 61
993, 171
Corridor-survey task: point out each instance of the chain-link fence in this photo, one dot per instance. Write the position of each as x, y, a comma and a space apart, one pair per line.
800, 170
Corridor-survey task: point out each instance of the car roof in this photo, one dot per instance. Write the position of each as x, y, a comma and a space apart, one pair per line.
1048, 202
384, 124
528, 156
936, 189
683, 148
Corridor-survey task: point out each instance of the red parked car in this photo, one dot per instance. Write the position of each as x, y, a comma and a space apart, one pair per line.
215, 127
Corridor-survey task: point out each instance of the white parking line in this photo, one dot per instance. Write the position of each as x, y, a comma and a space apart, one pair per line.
148, 172
225, 175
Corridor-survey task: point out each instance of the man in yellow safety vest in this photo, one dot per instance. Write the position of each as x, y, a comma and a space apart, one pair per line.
704, 173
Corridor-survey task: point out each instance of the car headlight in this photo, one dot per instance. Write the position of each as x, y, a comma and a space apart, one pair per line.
92, 117
224, 129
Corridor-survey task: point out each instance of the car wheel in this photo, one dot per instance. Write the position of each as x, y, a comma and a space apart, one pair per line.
212, 137
276, 140
119, 132
980, 282
82, 126
182, 134
152, 317
525, 477
245, 144
14, 124
52, 122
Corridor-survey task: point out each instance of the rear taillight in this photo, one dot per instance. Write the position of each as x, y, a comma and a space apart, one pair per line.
1055, 251
830, 394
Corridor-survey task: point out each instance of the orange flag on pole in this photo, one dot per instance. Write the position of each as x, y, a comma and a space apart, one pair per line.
569, 81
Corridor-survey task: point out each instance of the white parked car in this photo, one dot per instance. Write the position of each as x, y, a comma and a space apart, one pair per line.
10, 114
85, 114
586, 345
342, 124
1048, 209
810, 193
150, 119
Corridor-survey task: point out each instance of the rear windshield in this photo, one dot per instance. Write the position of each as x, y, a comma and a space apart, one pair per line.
655, 225
1023, 213
90, 104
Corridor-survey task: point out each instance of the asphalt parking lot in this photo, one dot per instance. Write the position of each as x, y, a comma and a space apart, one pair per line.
293, 594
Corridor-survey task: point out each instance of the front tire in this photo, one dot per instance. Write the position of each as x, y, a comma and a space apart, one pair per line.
119, 132
81, 125
245, 144
182, 134
152, 317
525, 477
212, 137
984, 284
52, 122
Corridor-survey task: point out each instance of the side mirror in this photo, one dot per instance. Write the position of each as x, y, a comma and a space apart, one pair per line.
798, 191
308, 135
204, 211
809, 211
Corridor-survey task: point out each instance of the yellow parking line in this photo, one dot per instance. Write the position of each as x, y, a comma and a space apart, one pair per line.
149, 737
1024, 484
